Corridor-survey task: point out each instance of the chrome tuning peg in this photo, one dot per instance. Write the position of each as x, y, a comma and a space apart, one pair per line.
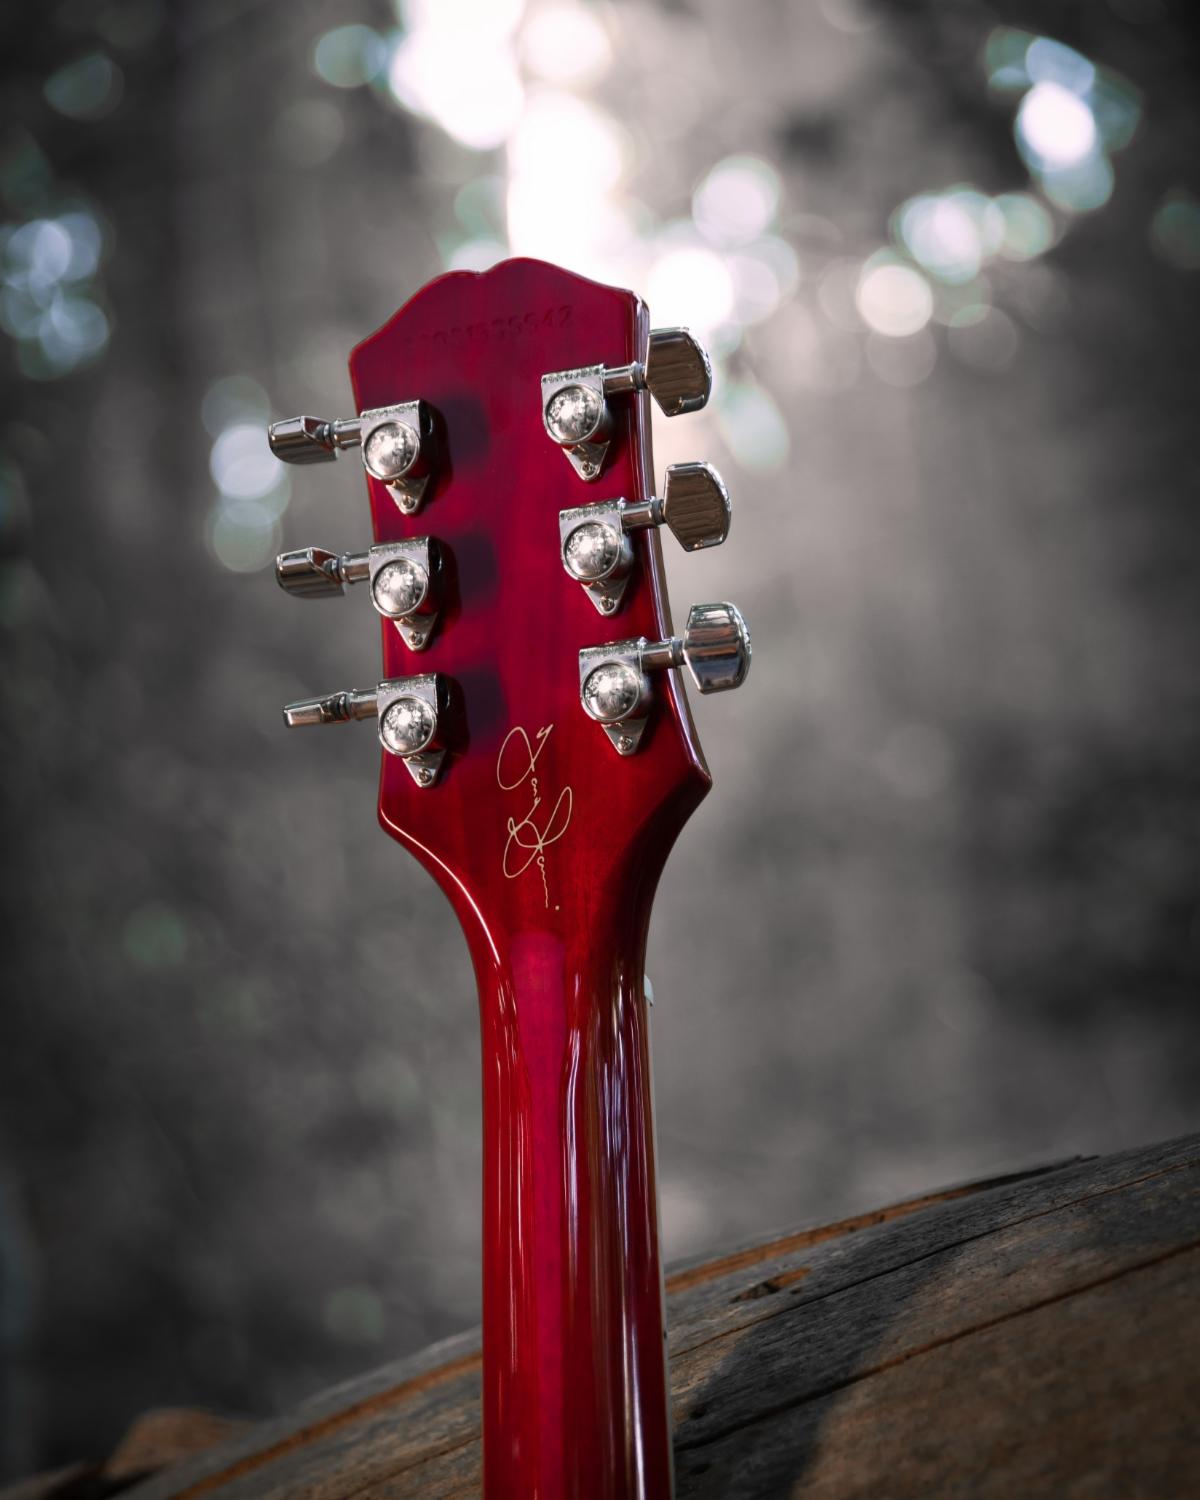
395, 443
614, 686
594, 539
676, 372
408, 711
403, 578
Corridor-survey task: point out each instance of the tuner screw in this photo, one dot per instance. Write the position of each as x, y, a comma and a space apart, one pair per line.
402, 576
676, 372
408, 711
596, 550
394, 443
614, 686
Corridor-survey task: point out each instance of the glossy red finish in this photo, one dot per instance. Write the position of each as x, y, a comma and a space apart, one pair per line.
549, 845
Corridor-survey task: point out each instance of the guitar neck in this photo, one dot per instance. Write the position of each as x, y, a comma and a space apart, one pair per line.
575, 1389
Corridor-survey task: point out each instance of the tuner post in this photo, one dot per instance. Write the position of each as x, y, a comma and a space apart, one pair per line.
614, 679
409, 714
575, 410
594, 541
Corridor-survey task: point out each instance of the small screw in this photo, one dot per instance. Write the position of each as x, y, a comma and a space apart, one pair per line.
606, 603
624, 744
424, 776
417, 638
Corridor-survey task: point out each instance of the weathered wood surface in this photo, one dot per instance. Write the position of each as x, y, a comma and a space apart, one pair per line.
1037, 1335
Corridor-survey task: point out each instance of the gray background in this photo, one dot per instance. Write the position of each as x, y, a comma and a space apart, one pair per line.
939, 915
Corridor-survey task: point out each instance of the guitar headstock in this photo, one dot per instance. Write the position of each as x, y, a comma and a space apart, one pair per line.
539, 753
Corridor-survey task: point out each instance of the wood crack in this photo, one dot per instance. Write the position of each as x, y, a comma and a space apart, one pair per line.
833, 1387
801, 1301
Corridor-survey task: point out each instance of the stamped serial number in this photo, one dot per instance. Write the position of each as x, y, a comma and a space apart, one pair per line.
498, 330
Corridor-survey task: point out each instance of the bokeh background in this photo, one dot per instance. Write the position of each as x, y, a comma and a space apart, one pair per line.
940, 915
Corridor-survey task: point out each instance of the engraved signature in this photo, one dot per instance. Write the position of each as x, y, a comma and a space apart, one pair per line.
528, 837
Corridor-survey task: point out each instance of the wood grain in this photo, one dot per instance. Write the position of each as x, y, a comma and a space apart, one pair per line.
1033, 1335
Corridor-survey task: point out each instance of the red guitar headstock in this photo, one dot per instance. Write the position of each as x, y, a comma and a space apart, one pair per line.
540, 746
540, 762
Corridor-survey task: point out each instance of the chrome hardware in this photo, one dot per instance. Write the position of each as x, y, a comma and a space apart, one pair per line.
594, 544
614, 683
407, 711
394, 442
575, 411
313, 573
311, 440
336, 708
402, 575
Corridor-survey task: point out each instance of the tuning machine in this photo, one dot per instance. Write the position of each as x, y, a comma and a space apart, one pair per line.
403, 579
614, 685
575, 411
395, 443
594, 539
409, 711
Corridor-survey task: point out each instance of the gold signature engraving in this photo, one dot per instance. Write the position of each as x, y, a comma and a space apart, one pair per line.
528, 837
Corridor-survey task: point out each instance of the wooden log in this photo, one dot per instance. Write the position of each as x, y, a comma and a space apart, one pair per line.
1036, 1335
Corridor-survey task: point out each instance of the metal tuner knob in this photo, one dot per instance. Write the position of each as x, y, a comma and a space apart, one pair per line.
403, 578
614, 684
575, 412
394, 443
408, 711
595, 547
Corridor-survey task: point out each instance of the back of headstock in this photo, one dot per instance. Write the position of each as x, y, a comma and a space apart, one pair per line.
540, 761
527, 810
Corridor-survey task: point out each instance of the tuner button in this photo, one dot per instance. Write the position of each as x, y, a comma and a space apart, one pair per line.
334, 708
716, 647
696, 506
310, 573
302, 440
678, 372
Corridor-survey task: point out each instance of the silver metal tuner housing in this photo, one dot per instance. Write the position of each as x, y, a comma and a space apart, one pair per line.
402, 577
575, 412
394, 442
409, 714
594, 542
614, 679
